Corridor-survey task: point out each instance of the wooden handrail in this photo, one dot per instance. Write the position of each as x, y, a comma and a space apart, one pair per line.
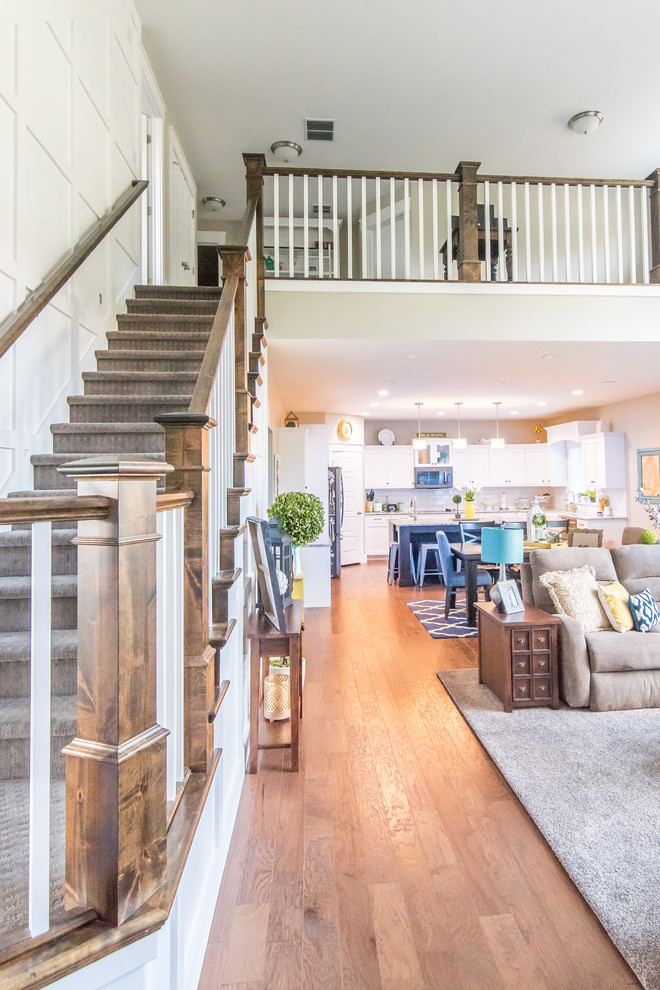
204, 386
342, 173
54, 508
13, 325
173, 500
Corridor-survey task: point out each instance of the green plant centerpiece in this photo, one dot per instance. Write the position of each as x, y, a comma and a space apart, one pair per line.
300, 515
648, 537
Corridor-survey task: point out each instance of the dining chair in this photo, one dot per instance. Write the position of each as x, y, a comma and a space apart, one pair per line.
455, 579
470, 532
559, 527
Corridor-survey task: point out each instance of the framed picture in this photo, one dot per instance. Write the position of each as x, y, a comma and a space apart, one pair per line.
648, 473
264, 559
511, 601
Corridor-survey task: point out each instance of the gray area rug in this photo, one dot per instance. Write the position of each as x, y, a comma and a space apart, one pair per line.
591, 782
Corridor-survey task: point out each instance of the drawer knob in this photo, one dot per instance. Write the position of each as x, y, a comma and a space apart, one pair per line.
522, 688
541, 663
522, 664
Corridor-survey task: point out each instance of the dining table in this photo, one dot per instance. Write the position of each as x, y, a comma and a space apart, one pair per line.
470, 556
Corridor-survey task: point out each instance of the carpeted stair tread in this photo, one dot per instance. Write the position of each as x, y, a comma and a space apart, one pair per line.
107, 428
170, 336
23, 537
45, 459
40, 492
15, 646
161, 304
178, 291
143, 376
125, 400
168, 321
15, 717
18, 586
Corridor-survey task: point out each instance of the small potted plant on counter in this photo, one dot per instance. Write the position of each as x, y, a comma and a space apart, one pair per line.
369, 500
457, 499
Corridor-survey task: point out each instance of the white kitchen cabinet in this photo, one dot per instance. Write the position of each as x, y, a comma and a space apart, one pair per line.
303, 464
388, 467
545, 465
376, 535
604, 460
507, 465
471, 466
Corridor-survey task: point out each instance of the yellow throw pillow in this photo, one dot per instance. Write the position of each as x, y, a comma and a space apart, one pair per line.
614, 599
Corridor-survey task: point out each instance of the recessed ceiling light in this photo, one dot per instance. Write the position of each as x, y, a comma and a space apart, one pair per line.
365, 414
412, 357
514, 412
383, 391
550, 357
610, 381
541, 403
440, 412
577, 391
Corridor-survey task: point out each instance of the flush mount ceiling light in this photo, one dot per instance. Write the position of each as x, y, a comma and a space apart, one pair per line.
497, 440
286, 151
214, 202
419, 443
586, 121
459, 442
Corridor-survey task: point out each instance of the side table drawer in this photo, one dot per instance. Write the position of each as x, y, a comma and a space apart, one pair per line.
520, 640
541, 663
541, 688
522, 688
520, 664
541, 639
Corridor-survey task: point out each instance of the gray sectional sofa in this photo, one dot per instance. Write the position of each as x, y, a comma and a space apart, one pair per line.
603, 670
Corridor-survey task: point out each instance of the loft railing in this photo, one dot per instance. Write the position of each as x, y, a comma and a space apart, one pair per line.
336, 224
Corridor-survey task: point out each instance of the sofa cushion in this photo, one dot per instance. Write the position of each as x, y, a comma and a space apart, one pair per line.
638, 567
574, 592
563, 559
634, 651
614, 599
644, 611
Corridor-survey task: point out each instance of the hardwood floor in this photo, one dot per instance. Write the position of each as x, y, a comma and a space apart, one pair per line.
397, 858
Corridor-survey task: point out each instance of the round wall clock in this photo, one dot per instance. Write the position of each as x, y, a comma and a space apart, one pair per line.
344, 430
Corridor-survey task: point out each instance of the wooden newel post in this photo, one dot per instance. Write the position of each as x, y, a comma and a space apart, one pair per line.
116, 767
186, 449
469, 266
254, 168
654, 205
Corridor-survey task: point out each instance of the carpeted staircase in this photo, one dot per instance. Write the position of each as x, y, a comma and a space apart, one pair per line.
150, 367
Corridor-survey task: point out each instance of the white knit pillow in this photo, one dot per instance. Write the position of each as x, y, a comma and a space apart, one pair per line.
575, 593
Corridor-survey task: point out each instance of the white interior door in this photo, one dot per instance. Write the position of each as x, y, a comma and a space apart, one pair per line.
182, 226
350, 460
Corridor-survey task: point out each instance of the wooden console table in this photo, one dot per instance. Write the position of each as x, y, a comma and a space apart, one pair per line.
518, 656
267, 641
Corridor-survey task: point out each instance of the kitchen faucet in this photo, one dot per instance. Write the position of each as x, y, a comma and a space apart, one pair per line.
570, 499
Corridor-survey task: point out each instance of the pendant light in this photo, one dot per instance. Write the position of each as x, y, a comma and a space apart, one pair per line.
497, 440
459, 442
419, 443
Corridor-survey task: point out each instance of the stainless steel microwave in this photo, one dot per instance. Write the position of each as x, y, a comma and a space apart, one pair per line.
433, 476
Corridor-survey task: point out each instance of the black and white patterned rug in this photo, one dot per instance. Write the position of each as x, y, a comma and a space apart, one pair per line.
432, 616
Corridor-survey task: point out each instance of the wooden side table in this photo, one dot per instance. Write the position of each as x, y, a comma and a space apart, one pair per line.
518, 656
267, 641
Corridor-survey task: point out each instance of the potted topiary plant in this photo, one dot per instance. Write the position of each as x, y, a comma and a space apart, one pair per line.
457, 499
300, 516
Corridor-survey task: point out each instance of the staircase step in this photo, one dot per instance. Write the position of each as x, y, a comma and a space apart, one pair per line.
46, 474
178, 291
15, 662
151, 340
157, 322
124, 408
16, 552
81, 439
15, 602
132, 382
155, 361
15, 735
163, 304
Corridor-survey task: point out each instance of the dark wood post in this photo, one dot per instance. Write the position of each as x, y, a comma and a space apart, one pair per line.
654, 204
469, 266
115, 767
186, 449
254, 167
233, 263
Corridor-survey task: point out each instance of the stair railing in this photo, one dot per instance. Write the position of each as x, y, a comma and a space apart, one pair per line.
13, 325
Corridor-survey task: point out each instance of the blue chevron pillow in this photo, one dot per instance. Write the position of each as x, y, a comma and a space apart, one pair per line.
644, 610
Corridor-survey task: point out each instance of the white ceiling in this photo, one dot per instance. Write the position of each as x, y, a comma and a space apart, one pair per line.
345, 376
420, 86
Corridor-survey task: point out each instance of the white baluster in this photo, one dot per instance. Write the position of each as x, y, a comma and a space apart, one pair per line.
349, 226
539, 201
40, 731
567, 229
594, 242
553, 227
335, 230
487, 229
619, 233
643, 208
606, 231
436, 246
420, 210
292, 234
528, 235
306, 225
633, 234
379, 245
514, 231
449, 230
501, 262
319, 186
580, 219
392, 228
276, 225
365, 273
406, 226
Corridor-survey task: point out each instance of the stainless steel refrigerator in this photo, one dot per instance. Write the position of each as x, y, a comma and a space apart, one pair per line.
335, 518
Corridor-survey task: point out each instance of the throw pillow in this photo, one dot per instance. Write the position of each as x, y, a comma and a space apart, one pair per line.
644, 610
614, 599
575, 593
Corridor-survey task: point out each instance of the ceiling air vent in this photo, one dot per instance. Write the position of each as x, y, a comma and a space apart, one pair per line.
319, 130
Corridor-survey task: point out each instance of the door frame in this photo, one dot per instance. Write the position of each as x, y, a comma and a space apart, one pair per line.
152, 163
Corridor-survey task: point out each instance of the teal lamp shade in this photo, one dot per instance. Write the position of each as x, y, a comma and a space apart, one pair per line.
502, 546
